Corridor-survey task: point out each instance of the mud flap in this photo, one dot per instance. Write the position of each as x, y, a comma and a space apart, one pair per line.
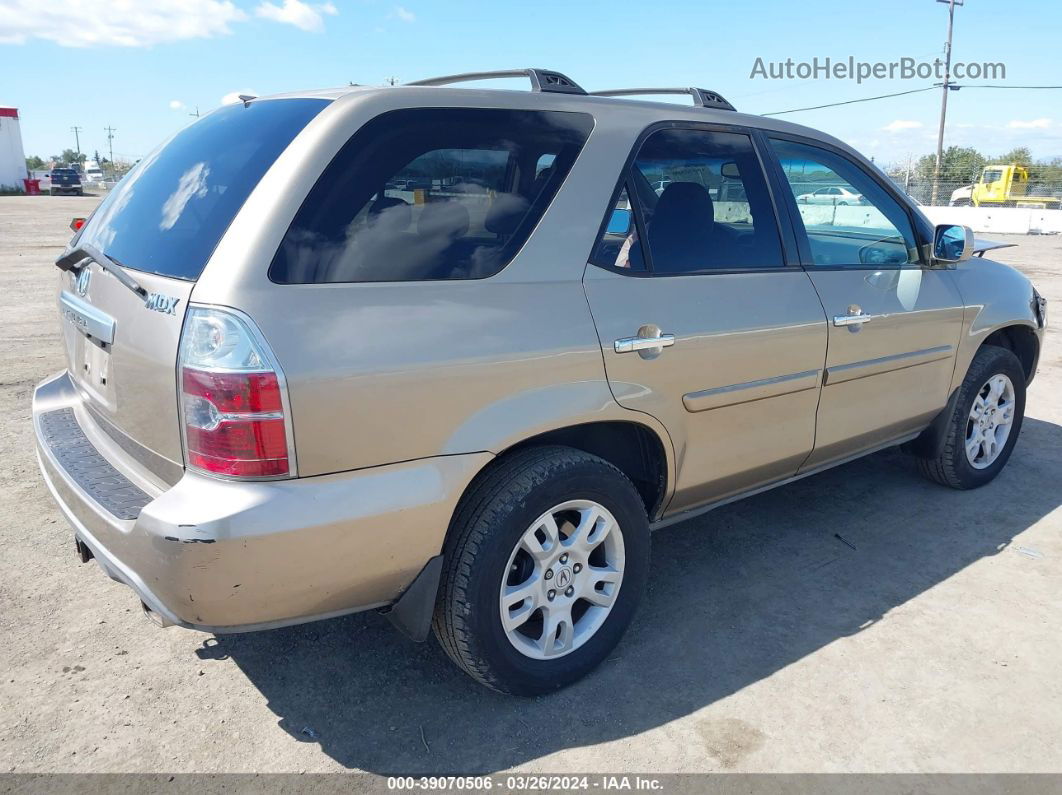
412, 613
930, 442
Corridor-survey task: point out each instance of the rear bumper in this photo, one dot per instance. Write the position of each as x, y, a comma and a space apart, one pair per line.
222, 556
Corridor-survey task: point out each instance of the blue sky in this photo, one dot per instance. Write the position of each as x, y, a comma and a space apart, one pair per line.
143, 69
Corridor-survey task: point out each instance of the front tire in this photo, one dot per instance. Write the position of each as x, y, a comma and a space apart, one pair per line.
984, 426
546, 562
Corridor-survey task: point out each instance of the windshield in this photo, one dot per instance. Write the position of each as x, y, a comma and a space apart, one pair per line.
168, 214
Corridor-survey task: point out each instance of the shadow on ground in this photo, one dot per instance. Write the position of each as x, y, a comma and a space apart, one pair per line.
734, 596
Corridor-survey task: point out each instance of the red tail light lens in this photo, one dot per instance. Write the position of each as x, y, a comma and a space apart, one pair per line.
231, 399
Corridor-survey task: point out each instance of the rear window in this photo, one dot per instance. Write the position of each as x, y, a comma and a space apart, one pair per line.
430, 193
168, 214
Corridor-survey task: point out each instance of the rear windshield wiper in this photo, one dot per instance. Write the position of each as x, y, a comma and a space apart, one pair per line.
80, 256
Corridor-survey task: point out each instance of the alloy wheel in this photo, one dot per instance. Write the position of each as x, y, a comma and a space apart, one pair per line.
991, 419
562, 579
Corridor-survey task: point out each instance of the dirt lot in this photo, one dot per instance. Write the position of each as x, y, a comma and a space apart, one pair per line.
931, 643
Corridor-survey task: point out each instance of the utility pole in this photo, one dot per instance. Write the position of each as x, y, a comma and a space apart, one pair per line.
196, 114
391, 81
945, 87
110, 144
77, 140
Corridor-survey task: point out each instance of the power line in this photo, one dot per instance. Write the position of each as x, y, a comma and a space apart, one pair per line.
956, 85
850, 101
952, 86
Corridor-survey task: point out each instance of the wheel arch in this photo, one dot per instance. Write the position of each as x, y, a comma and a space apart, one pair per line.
585, 416
632, 447
1022, 341
1018, 338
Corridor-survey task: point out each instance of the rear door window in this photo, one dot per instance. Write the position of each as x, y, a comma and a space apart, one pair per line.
704, 207
167, 215
429, 194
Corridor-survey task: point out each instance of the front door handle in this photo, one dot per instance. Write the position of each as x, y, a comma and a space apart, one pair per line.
852, 320
630, 344
855, 317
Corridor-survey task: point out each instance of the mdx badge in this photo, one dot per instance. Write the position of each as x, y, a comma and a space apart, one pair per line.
161, 303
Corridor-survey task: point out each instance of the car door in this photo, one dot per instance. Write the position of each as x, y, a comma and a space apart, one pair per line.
704, 321
894, 322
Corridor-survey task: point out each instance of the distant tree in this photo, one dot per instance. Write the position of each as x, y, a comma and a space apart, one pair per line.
97, 156
69, 157
34, 163
1020, 156
959, 164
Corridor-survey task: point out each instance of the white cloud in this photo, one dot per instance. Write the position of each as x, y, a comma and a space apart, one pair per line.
405, 14
1033, 124
899, 125
85, 23
295, 12
176, 104
234, 96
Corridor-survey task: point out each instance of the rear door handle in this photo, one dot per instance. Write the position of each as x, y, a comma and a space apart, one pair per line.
630, 344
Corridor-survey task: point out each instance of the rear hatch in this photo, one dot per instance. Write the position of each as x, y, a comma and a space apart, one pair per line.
160, 225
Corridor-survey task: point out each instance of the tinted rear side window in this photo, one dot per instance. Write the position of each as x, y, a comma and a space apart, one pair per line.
168, 214
430, 193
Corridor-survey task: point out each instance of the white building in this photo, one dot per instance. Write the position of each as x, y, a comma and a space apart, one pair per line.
12, 156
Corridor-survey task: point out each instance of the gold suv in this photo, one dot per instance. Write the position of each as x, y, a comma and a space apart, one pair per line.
452, 354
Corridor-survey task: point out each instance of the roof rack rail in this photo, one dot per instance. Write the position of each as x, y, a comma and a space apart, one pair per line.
542, 80
702, 97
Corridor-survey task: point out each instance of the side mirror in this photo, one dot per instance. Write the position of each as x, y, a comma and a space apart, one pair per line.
730, 170
952, 243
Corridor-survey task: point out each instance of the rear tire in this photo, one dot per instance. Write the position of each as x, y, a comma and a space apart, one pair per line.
511, 573
984, 426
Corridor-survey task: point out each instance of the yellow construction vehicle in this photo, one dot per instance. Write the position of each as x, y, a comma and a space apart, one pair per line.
1003, 186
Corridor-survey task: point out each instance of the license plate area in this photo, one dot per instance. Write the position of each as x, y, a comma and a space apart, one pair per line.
92, 363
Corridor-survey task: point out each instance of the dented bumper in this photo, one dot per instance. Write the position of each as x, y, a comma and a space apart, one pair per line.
224, 556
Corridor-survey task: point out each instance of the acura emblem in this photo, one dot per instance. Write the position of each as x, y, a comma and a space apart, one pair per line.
81, 284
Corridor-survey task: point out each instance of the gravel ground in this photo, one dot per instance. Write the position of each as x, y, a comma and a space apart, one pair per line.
929, 642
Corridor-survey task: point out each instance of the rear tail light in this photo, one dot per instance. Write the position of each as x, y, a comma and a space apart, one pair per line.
233, 403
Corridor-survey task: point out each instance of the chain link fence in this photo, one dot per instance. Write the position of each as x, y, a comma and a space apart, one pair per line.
955, 189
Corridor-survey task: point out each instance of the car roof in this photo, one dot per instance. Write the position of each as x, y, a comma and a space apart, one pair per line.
623, 112
532, 100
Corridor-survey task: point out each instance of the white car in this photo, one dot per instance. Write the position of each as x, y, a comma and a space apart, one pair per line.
831, 195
